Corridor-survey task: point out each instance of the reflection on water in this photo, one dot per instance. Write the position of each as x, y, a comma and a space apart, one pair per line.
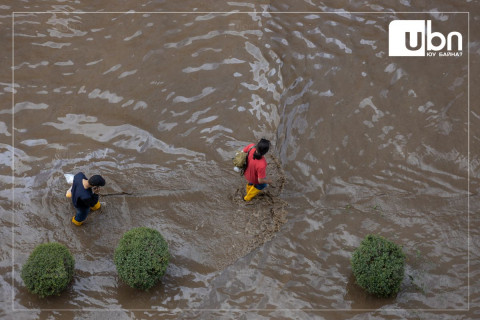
158, 103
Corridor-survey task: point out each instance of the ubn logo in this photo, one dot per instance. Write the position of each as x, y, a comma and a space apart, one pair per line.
410, 38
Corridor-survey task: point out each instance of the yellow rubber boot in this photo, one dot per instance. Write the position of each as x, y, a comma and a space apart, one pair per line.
75, 222
251, 193
95, 207
248, 187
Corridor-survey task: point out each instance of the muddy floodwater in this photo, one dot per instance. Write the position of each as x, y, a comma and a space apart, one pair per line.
156, 96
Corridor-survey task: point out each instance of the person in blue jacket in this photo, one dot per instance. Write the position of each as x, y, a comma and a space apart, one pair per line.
84, 194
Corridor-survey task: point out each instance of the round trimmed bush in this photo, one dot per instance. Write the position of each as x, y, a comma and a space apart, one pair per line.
141, 257
378, 265
48, 270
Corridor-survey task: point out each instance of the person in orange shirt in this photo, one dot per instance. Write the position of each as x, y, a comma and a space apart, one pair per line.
256, 171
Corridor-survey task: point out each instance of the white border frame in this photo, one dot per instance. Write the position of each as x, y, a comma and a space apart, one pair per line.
177, 310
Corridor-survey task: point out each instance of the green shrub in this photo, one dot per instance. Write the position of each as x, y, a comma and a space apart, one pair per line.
141, 258
48, 270
378, 265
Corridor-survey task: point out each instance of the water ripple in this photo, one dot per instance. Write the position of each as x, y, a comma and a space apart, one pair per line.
205, 92
106, 95
210, 35
212, 66
26, 105
136, 34
131, 137
54, 45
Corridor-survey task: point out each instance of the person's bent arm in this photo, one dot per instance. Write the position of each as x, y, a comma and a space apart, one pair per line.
94, 198
264, 180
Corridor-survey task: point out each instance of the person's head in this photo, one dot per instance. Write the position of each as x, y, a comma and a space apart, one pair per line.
262, 148
96, 181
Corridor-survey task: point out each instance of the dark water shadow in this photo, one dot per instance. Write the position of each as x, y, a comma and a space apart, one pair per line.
360, 299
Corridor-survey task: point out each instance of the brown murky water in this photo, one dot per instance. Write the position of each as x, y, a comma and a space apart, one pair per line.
158, 102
